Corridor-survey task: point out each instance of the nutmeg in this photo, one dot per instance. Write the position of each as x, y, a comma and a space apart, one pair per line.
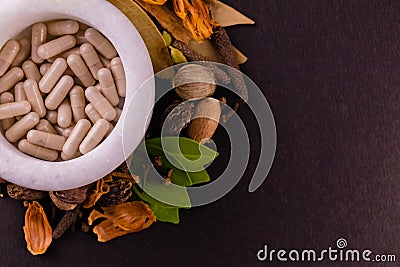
187, 85
207, 114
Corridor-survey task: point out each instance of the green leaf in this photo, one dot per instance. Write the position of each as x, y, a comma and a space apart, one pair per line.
187, 149
167, 38
165, 214
199, 177
148, 199
181, 178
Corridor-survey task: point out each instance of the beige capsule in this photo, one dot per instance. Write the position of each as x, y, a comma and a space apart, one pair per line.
37, 151
106, 62
110, 129
79, 133
23, 54
118, 116
94, 137
64, 111
65, 157
52, 116
108, 88
31, 71
19, 94
34, 97
10, 110
91, 58
53, 75
102, 44
59, 93
64, 131
39, 37
62, 27
45, 126
100, 103
11, 78
118, 73
80, 37
48, 140
7, 55
65, 55
6, 98
78, 103
21, 127
44, 68
92, 113
56, 46
78, 66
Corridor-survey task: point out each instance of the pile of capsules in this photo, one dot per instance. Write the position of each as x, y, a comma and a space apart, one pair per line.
62, 91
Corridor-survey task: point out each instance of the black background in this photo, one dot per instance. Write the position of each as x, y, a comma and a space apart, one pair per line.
330, 71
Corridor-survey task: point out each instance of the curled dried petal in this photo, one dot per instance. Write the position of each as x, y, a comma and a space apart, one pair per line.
156, 2
122, 219
38, 233
101, 189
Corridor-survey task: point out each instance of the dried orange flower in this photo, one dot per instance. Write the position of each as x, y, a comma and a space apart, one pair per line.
101, 189
38, 233
195, 16
122, 219
155, 2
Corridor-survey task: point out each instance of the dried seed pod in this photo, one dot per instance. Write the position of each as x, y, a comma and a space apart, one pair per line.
61, 204
177, 116
187, 85
207, 115
23, 193
72, 196
38, 233
120, 192
122, 219
65, 223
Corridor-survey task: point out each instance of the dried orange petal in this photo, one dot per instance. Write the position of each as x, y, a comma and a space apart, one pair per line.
38, 233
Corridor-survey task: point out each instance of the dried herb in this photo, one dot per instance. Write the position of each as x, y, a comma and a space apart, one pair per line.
101, 189
224, 45
227, 16
65, 223
120, 192
72, 196
38, 233
23, 193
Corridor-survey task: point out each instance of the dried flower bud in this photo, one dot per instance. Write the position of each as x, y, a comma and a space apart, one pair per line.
38, 233
101, 189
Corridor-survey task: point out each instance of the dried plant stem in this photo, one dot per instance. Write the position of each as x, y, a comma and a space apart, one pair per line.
220, 75
65, 223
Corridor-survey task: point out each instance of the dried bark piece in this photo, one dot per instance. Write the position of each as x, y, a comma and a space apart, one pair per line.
23, 193
120, 192
148, 30
121, 220
65, 223
168, 20
37, 230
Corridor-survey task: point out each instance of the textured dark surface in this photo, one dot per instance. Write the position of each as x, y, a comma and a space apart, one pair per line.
331, 73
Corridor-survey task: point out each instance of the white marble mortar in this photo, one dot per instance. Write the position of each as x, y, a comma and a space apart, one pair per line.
27, 171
